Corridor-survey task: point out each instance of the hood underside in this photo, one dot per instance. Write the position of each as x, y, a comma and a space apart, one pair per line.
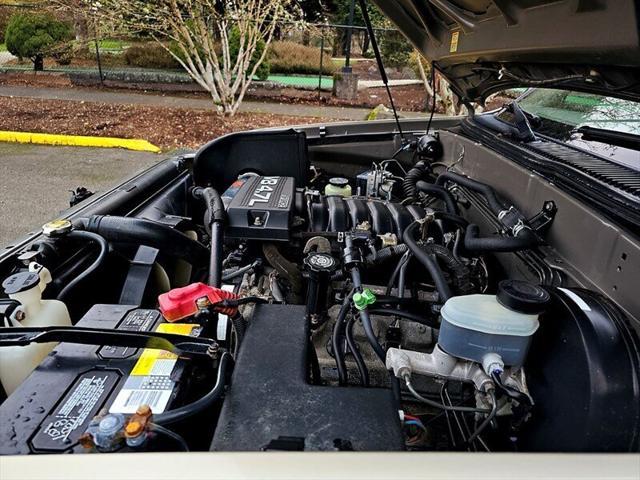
483, 46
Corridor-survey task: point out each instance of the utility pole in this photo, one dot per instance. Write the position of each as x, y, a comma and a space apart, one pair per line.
345, 83
347, 52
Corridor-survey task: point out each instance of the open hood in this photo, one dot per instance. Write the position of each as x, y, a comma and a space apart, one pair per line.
483, 46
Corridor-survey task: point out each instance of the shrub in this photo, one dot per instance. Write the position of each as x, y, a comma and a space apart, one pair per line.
32, 36
234, 46
62, 52
395, 50
291, 57
149, 55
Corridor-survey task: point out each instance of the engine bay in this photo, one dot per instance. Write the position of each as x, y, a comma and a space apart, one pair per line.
270, 299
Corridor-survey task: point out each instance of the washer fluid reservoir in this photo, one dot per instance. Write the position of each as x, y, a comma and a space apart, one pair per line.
16, 363
476, 325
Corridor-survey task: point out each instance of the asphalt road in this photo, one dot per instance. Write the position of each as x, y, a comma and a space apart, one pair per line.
35, 180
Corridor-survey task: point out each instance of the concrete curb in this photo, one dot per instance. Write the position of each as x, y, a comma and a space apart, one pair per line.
78, 141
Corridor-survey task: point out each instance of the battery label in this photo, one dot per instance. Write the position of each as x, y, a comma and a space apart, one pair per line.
150, 379
61, 429
139, 320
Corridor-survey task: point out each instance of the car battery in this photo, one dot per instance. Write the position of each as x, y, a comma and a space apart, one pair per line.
52, 408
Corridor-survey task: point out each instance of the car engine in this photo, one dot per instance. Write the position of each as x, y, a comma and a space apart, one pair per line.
266, 302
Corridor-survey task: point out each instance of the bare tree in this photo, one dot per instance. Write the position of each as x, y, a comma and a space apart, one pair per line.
445, 99
220, 43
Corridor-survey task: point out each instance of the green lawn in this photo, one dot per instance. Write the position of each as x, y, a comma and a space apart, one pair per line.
3, 47
111, 44
302, 81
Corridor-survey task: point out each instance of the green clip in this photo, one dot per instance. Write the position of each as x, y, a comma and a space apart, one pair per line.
364, 299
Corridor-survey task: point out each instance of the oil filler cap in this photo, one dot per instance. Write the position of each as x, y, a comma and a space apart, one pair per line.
522, 297
320, 262
20, 282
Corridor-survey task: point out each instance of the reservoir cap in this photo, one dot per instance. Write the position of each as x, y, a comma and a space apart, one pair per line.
57, 228
522, 297
338, 182
20, 282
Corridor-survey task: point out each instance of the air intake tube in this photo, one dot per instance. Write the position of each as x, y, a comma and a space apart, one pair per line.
145, 232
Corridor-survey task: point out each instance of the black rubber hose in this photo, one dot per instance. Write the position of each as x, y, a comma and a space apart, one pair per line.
215, 206
386, 253
200, 405
357, 356
473, 242
396, 272
231, 273
146, 232
513, 393
215, 258
102, 256
461, 275
489, 193
336, 340
453, 218
411, 178
366, 320
429, 262
440, 192
405, 315
214, 223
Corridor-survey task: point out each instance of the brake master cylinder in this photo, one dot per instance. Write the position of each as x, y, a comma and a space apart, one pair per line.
16, 363
480, 327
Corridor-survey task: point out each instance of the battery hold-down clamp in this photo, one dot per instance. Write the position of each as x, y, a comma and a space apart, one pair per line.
181, 345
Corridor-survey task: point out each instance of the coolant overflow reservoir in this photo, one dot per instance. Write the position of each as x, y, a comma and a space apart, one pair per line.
16, 363
475, 325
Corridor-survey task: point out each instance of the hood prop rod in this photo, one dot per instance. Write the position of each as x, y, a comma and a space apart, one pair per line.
383, 72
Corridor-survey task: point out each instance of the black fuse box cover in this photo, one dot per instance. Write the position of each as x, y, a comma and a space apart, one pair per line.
53, 407
271, 405
262, 209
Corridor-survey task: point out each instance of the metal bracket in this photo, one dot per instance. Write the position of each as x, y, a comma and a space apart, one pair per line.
541, 221
10, 311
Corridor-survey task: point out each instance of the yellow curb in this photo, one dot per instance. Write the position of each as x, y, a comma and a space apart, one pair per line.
78, 141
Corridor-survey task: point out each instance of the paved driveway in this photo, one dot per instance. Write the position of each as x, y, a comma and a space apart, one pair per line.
35, 180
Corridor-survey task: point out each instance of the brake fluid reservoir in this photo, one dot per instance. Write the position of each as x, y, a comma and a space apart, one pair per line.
475, 325
16, 363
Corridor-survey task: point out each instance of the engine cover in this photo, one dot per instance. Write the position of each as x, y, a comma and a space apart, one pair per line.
262, 209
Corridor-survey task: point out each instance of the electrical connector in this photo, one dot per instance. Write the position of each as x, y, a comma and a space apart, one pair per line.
363, 299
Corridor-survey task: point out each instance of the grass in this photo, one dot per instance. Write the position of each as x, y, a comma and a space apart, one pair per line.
3, 47
111, 44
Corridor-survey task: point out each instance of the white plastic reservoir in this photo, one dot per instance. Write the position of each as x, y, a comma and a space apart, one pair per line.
16, 363
475, 325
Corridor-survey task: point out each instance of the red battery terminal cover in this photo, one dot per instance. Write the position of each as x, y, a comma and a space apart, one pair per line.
182, 302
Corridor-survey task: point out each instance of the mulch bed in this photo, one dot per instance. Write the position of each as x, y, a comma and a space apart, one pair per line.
168, 128
408, 98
